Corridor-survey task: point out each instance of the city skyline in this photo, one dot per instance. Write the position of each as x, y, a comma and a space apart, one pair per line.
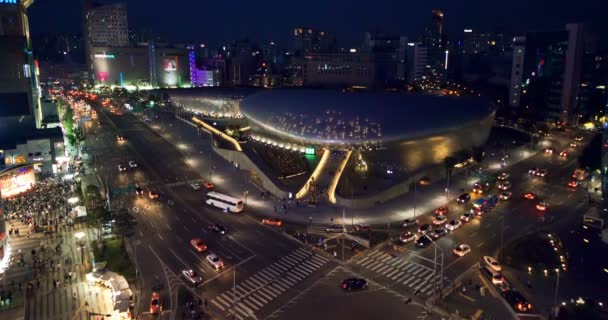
212, 23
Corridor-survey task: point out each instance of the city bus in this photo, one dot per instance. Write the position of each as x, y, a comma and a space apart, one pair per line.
223, 201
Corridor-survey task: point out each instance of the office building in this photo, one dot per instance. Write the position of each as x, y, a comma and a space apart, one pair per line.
338, 70
417, 62
546, 73
435, 40
106, 25
389, 56
308, 40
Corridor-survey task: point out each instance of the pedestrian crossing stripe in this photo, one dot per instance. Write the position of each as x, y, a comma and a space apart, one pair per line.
250, 304
265, 277
273, 271
292, 261
301, 254
273, 290
281, 265
398, 275
390, 274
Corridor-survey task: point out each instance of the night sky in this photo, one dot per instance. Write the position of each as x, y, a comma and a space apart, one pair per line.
219, 21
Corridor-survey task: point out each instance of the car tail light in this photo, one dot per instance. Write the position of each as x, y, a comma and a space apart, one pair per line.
344, 286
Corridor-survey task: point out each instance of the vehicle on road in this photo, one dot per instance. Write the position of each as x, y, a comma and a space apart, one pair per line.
550, 150
484, 185
425, 228
153, 194
423, 241
505, 195
120, 138
138, 190
354, 284
503, 176
453, 225
574, 144
218, 228
132, 164
410, 222
439, 219
223, 201
578, 139
121, 168
479, 203
463, 198
542, 206
541, 173
564, 154
363, 228
215, 261
532, 171
156, 303
198, 245
438, 233
491, 263
579, 174
467, 216
272, 222
461, 249
443, 210
573, 184
517, 301
195, 186
334, 228
407, 237
192, 277
494, 276
529, 196
209, 185
505, 185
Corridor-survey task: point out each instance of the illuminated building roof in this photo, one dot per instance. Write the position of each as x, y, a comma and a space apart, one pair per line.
332, 117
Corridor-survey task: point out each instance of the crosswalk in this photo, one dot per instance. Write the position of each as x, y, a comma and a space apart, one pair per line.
408, 274
266, 285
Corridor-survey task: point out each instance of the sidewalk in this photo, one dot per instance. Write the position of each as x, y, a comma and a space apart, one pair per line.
226, 177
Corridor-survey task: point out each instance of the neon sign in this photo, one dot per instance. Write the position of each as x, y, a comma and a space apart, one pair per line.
103, 55
9, 1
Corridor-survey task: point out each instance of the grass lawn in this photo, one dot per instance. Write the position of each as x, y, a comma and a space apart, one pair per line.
533, 250
116, 258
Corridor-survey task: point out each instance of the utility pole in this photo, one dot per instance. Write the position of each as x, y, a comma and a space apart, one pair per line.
556, 290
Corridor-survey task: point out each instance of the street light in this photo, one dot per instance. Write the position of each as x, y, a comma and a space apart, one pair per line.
555, 305
435, 268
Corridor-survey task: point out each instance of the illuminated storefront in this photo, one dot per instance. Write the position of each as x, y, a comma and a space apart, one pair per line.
17, 180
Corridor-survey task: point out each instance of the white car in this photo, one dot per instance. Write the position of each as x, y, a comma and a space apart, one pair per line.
121, 168
407, 237
461, 249
439, 219
505, 195
503, 176
491, 263
195, 186
453, 225
505, 185
192, 277
533, 171
132, 164
215, 261
541, 173
410, 222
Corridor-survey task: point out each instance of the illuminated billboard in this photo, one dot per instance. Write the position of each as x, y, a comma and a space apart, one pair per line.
103, 76
17, 180
170, 64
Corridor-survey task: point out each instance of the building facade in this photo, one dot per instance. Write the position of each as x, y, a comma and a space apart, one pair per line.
338, 70
308, 40
389, 53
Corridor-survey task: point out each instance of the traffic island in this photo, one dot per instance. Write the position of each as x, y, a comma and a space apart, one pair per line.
537, 251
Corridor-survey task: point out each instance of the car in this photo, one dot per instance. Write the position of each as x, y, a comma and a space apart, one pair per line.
463, 198
120, 138
461, 249
195, 186
354, 284
425, 228
407, 237
363, 228
198, 245
503, 176
138, 190
410, 222
121, 168
192, 277
550, 150
153, 194
272, 222
479, 211
215, 261
532, 171
494, 276
439, 219
542, 206
578, 139
517, 301
529, 196
564, 154
505, 185
209, 185
453, 225
443, 210
541, 173
491, 263
505, 195
217, 228
573, 184
132, 164
423, 241
574, 144
438, 233
467, 216
334, 228
156, 304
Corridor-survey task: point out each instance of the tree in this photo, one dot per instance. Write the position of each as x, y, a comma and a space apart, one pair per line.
97, 217
92, 195
124, 224
591, 157
449, 163
478, 154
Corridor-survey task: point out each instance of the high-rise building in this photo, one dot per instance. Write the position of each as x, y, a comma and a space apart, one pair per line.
435, 40
338, 69
417, 62
308, 40
604, 168
546, 73
389, 56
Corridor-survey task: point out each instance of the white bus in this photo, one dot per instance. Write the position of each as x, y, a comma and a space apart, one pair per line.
224, 202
